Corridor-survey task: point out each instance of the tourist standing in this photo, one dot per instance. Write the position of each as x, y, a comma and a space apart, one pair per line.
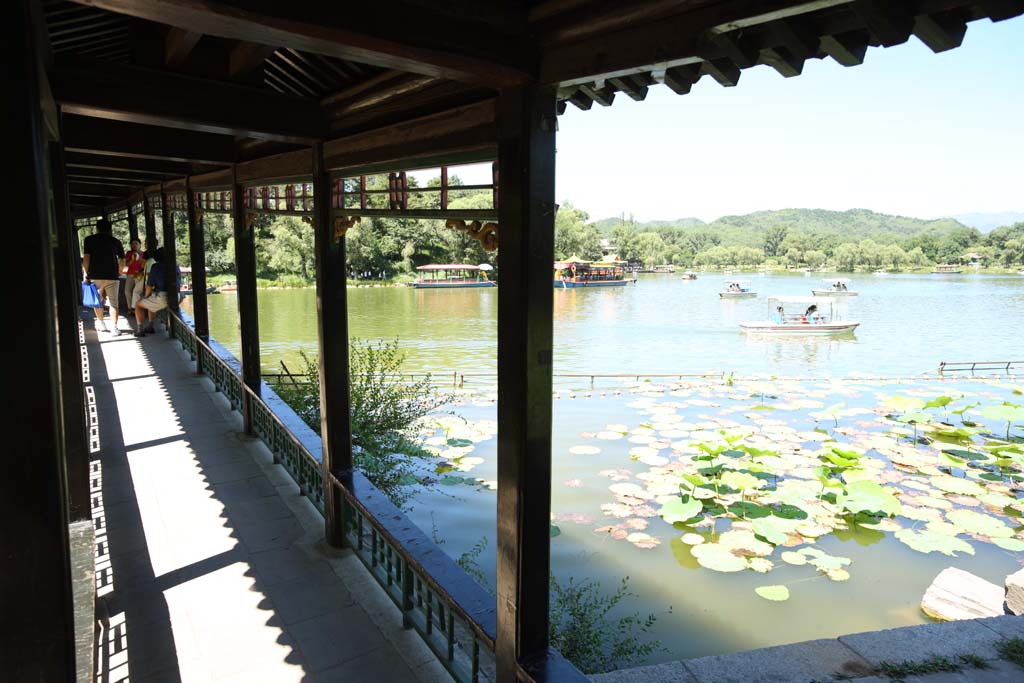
134, 267
102, 263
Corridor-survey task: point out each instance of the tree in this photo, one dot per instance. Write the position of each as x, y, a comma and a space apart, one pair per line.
291, 247
574, 236
773, 238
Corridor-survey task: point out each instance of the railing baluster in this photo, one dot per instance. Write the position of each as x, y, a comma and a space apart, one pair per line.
451, 635
407, 590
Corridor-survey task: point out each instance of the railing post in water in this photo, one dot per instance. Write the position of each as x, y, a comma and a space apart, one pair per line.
526, 206
197, 261
332, 336
248, 312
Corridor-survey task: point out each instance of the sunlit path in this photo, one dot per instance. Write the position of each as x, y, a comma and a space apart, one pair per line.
211, 566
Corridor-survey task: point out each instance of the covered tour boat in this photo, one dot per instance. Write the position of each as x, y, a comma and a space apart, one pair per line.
575, 272
185, 289
834, 286
800, 315
451, 275
737, 289
947, 269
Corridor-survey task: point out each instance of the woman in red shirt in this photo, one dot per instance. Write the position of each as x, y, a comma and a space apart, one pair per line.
134, 264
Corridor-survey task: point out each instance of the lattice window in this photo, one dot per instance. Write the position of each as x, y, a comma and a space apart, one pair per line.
218, 200
177, 201
116, 216
155, 202
138, 208
395, 194
86, 223
287, 198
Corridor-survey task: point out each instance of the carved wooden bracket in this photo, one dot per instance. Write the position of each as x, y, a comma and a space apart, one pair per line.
250, 218
486, 233
341, 225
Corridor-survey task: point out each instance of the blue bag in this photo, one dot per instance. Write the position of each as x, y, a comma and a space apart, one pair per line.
91, 296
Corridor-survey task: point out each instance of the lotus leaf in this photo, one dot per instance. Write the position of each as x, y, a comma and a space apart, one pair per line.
692, 539
1012, 544
584, 450
914, 417
760, 565
642, 540
793, 558
902, 404
827, 563
931, 542
939, 402
742, 542
459, 443
718, 558
1007, 412
749, 510
774, 529
868, 496
838, 574
680, 509
554, 531
979, 523
773, 593
945, 528
957, 485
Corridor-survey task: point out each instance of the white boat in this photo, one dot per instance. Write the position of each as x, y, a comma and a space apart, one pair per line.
800, 315
881, 271
836, 286
737, 289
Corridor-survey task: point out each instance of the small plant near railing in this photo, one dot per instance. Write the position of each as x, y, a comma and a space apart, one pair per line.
581, 629
385, 413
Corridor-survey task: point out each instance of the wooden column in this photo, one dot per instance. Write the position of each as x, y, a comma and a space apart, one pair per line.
150, 219
197, 261
35, 574
526, 194
67, 280
248, 313
332, 329
133, 227
170, 255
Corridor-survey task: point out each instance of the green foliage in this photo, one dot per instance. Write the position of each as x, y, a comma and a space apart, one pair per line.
574, 236
933, 665
384, 413
1012, 649
584, 627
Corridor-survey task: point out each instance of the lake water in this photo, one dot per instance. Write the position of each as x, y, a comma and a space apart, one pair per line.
621, 448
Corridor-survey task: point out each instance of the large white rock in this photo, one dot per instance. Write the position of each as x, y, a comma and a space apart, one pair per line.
956, 594
1015, 592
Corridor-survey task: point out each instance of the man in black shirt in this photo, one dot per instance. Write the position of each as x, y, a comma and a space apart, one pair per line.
102, 263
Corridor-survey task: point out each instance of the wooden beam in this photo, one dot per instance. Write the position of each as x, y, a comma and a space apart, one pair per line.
464, 129
111, 177
890, 22
98, 190
214, 180
682, 38
525, 334
285, 166
178, 45
114, 138
722, 70
940, 32
681, 78
422, 42
333, 344
1000, 10
784, 61
631, 85
246, 58
738, 48
603, 95
847, 48
158, 98
400, 87
78, 162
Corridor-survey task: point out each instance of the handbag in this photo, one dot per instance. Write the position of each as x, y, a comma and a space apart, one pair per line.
91, 296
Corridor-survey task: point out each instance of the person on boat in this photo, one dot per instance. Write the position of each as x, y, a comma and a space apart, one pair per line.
779, 316
811, 314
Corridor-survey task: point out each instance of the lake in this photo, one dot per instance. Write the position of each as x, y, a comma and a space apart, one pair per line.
750, 449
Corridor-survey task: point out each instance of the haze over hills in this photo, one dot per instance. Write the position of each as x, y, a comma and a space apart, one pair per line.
986, 222
851, 224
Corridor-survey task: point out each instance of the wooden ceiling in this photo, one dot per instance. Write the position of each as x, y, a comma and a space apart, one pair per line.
150, 89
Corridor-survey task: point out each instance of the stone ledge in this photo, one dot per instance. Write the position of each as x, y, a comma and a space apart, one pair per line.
851, 658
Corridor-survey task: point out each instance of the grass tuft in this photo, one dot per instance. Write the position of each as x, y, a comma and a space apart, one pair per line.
1012, 649
934, 664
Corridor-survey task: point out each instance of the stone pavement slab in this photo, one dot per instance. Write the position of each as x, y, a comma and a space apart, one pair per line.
917, 643
217, 569
813, 660
671, 672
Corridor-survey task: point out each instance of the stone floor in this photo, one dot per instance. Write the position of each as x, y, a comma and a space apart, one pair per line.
210, 565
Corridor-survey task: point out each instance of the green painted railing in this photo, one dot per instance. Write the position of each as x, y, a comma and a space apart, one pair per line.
453, 614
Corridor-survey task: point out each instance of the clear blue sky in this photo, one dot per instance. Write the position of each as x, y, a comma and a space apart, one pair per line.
908, 132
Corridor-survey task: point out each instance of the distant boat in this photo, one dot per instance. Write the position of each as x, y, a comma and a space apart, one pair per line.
737, 289
452, 275
817, 319
836, 287
574, 272
881, 271
947, 269
689, 275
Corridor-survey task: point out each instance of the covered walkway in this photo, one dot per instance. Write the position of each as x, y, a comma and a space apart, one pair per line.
210, 565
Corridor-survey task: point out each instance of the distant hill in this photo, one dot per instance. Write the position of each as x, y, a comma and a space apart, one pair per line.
987, 222
605, 225
854, 224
